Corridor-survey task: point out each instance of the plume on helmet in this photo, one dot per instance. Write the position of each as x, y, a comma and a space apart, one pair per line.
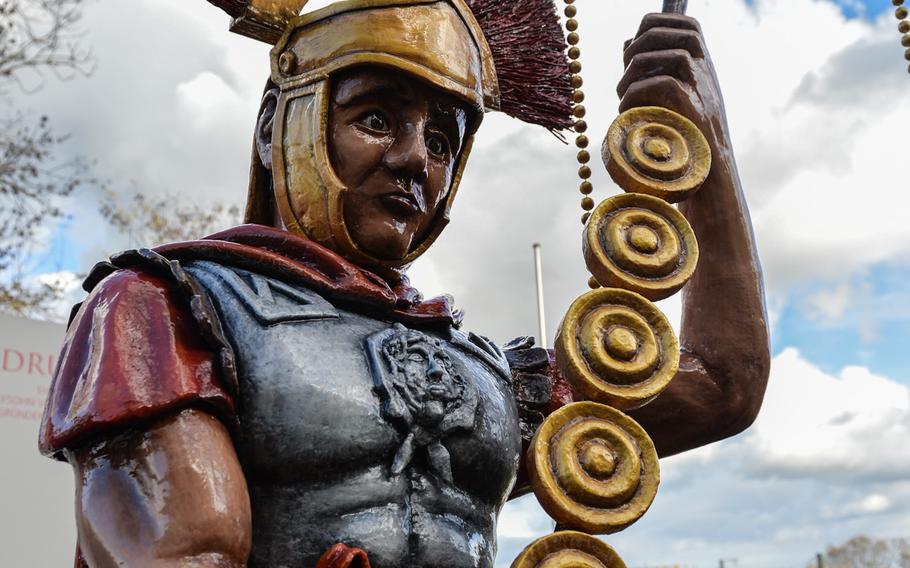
529, 51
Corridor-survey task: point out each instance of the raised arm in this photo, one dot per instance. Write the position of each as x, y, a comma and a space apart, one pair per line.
725, 352
171, 496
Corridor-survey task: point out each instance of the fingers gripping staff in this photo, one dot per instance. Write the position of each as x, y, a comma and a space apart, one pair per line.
614, 346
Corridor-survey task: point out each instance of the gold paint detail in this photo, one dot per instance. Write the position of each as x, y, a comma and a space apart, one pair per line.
622, 343
644, 239
598, 461
657, 152
266, 20
615, 347
593, 468
438, 41
658, 149
640, 243
286, 62
568, 549
578, 109
285, 10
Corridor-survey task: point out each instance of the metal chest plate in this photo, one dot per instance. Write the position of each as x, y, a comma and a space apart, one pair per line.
363, 431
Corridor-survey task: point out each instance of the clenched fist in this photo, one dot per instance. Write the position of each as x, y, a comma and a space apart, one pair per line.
668, 65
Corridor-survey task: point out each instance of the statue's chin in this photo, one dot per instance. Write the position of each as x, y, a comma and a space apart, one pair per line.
388, 241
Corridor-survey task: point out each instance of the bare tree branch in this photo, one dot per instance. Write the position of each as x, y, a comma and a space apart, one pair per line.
40, 36
151, 221
865, 552
37, 38
34, 184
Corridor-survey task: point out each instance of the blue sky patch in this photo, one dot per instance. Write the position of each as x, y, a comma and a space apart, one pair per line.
873, 331
866, 9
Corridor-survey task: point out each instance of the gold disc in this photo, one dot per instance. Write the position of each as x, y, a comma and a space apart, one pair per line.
640, 243
568, 549
593, 468
655, 151
617, 348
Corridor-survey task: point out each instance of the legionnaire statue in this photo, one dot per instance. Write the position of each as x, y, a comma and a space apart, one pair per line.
277, 395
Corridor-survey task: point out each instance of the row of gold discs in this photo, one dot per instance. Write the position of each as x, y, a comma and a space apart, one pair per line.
902, 14
592, 467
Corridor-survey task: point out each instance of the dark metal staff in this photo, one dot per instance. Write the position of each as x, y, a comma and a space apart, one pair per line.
675, 6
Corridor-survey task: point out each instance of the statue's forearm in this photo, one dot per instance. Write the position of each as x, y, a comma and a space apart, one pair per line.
726, 357
724, 317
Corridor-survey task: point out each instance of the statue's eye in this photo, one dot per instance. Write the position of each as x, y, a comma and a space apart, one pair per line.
437, 145
375, 121
416, 357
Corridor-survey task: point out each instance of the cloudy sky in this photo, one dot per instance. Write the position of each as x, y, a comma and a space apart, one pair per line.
819, 106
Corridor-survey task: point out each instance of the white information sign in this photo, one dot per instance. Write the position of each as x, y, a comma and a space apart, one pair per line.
37, 529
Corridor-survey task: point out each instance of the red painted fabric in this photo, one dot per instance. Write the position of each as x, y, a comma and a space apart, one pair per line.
343, 556
562, 390
276, 252
131, 353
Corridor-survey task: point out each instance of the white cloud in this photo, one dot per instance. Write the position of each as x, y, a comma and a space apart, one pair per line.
205, 100
875, 503
826, 459
829, 305
815, 104
819, 425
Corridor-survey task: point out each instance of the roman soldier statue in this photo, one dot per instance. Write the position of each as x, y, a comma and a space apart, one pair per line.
278, 395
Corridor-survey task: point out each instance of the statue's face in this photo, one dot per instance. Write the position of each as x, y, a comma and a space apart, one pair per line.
428, 368
393, 142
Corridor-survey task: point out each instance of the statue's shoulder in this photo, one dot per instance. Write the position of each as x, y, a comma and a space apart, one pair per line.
141, 346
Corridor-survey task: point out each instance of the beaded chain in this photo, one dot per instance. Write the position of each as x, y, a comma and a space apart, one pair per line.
901, 13
578, 111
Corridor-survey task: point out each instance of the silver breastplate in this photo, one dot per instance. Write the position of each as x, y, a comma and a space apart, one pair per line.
362, 431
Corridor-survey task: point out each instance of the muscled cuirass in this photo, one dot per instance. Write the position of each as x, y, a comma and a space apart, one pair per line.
362, 431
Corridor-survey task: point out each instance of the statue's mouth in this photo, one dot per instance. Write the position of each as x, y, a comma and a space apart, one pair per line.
403, 202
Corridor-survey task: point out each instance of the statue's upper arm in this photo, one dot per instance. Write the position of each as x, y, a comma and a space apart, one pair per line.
171, 495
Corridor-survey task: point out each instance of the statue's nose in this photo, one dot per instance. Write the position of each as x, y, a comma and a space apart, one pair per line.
435, 371
408, 153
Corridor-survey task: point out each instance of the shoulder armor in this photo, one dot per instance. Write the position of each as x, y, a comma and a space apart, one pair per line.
485, 350
269, 300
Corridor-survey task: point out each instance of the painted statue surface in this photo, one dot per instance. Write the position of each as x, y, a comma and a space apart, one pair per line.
277, 395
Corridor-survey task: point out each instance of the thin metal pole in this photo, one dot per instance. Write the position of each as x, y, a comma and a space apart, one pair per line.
541, 317
821, 560
675, 6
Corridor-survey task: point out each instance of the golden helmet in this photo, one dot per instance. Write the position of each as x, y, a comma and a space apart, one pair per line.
441, 42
